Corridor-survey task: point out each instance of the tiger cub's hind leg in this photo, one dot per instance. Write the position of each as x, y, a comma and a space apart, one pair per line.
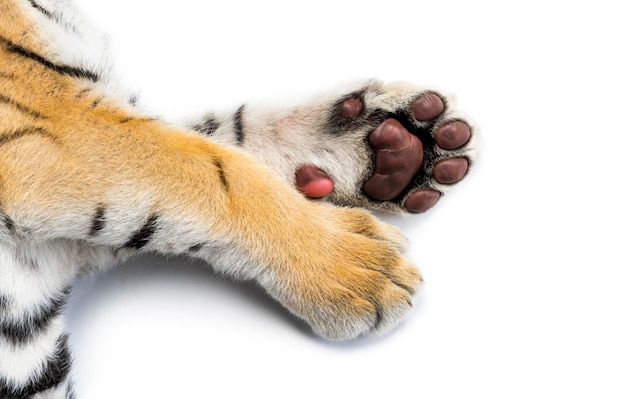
34, 350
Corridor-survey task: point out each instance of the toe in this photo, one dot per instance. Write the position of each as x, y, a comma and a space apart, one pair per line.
450, 170
427, 106
399, 155
421, 200
313, 182
452, 135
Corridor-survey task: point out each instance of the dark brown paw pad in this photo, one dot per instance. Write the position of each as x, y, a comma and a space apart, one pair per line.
452, 135
450, 171
421, 200
399, 154
427, 107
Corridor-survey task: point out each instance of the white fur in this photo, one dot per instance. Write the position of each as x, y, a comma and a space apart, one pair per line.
70, 40
29, 287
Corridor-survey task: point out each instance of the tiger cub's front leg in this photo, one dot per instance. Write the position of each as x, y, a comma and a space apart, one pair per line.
112, 185
337, 268
133, 184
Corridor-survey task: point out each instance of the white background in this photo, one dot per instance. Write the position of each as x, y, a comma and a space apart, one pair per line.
524, 263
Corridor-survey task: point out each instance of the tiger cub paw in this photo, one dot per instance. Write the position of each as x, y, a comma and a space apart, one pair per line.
390, 147
358, 284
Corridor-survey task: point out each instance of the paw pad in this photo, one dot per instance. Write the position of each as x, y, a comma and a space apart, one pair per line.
427, 106
421, 200
452, 135
415, 149
351, 108
399, 155
450, 171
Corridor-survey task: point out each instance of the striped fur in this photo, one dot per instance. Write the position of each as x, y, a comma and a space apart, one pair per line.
87, 180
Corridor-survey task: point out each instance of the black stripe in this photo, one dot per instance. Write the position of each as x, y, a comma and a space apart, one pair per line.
7, 391
57, 369
53, 374
31, 325
9, 224
208, 125
82, 93
238, 124
56, 17
98, 221
95, 102
5, 301
74, 72
5, 137
142, 236
221, 173
196, 248
40, 9
21, 107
